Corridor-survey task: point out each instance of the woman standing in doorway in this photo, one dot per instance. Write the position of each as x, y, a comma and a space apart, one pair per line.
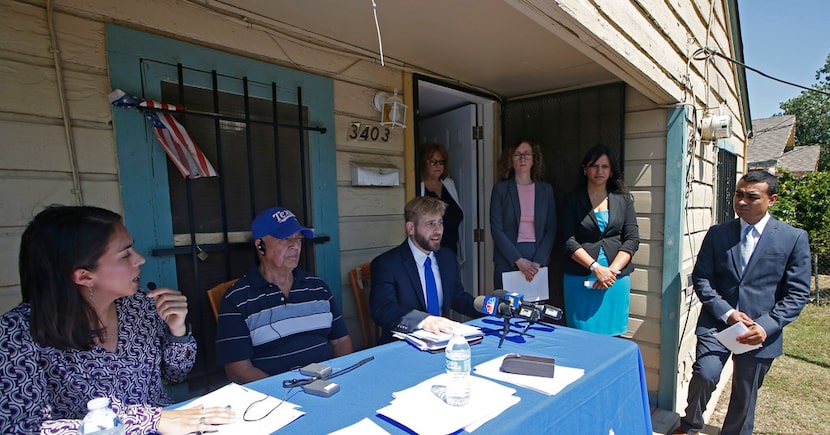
601, 235
522, 213
436, 183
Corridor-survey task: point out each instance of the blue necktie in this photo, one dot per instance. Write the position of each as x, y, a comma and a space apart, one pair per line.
432, 289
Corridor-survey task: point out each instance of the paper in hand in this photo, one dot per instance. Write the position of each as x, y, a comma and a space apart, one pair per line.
533, 291
729, 338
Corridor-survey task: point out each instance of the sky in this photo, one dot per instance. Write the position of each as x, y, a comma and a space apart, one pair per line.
786, 39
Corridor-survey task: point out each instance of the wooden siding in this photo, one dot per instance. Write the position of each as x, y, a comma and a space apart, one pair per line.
645, 163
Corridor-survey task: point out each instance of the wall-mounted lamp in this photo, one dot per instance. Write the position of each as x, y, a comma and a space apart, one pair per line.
391, 108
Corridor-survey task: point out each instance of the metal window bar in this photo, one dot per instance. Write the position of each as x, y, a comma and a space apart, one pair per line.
727, 171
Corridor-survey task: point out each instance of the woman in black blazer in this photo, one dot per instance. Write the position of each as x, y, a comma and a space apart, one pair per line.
599, 226
522, 213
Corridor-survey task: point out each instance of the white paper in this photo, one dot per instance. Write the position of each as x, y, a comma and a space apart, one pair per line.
729, 338
240, 399
420, 410
536, 290
562, 377
362, 427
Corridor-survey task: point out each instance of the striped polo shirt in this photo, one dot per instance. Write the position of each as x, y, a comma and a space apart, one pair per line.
277, 333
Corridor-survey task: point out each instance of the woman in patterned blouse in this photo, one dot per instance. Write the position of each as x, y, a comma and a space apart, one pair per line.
86, 330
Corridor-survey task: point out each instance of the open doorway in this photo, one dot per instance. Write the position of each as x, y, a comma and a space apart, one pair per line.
464, 122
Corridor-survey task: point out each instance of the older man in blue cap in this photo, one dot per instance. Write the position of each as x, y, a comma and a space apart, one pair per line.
278, 317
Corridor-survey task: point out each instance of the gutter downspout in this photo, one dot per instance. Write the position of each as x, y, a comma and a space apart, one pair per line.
67, 126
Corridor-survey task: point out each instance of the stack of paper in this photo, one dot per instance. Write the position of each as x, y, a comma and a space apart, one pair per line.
434, 342
422, 411
562, 377
267, 414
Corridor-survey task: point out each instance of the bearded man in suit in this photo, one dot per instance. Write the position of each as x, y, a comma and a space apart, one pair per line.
754, 270
401, 299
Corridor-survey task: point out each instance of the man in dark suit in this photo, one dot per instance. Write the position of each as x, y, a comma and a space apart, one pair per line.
400, 299
765, 288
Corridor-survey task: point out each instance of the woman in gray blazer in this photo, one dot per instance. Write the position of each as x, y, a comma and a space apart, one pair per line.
522, 213
599, 226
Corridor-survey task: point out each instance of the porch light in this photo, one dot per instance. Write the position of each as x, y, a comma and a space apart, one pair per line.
392, 109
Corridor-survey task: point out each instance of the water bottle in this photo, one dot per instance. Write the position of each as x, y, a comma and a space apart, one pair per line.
100, 419
458, 370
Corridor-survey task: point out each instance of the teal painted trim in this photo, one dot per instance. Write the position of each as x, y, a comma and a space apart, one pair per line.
726, 146
674, 218
143, 174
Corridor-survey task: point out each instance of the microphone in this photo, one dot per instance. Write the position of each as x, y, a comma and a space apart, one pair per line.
493, 305
533, 312
151, 285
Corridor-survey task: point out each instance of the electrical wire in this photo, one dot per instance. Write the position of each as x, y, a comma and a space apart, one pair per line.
377, 27
706, 53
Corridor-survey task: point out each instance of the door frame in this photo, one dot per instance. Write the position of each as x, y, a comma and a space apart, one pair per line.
433, 96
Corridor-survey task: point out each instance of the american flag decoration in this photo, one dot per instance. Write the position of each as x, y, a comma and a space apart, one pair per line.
173, 137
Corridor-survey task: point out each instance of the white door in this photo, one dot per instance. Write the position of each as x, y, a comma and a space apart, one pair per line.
454, 129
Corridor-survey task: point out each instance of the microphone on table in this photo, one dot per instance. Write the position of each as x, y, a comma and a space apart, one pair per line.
534, 312
494, 305
511, 305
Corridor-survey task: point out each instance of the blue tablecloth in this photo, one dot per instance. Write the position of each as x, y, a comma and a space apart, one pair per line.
612, 395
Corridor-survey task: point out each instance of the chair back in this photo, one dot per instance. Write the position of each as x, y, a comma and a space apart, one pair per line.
216, 294
361, 279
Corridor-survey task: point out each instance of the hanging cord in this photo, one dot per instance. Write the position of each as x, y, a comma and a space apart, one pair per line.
377, 26
77, 190
706, 53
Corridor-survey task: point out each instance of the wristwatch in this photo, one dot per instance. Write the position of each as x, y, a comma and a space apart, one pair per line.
593, 266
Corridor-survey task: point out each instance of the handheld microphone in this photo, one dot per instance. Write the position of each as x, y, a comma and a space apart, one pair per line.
493, 305
151, 285
551, 312
536, 311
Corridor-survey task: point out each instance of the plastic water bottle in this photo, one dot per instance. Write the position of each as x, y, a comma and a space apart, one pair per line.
458, 370
100, 419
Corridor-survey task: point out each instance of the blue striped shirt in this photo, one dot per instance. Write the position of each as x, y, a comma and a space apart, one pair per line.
257, 322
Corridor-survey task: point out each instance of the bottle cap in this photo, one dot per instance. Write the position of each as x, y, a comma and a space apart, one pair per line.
98, 403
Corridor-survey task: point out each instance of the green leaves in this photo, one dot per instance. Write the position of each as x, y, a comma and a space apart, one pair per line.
805, 203
812, 112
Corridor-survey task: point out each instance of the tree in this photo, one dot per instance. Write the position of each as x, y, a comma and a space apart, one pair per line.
812, 114
804, 202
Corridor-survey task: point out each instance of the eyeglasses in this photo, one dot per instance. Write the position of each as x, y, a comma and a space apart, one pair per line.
433, 162
523, 156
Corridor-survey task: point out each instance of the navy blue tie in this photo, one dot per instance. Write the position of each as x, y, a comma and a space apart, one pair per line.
432, 289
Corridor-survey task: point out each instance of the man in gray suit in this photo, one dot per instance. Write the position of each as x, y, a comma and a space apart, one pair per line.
754, 270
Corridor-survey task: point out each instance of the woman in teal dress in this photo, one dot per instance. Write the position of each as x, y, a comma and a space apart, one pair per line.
599, 226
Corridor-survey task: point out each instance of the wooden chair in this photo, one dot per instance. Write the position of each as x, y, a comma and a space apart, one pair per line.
361, 279
215, 295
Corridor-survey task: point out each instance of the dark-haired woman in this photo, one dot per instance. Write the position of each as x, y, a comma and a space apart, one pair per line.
599, 226
436, 183
522, 213
85, 329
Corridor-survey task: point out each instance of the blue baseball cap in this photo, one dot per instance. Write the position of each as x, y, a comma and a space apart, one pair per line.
278, 222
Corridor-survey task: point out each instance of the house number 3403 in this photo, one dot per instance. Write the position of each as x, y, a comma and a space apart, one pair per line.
368, 132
